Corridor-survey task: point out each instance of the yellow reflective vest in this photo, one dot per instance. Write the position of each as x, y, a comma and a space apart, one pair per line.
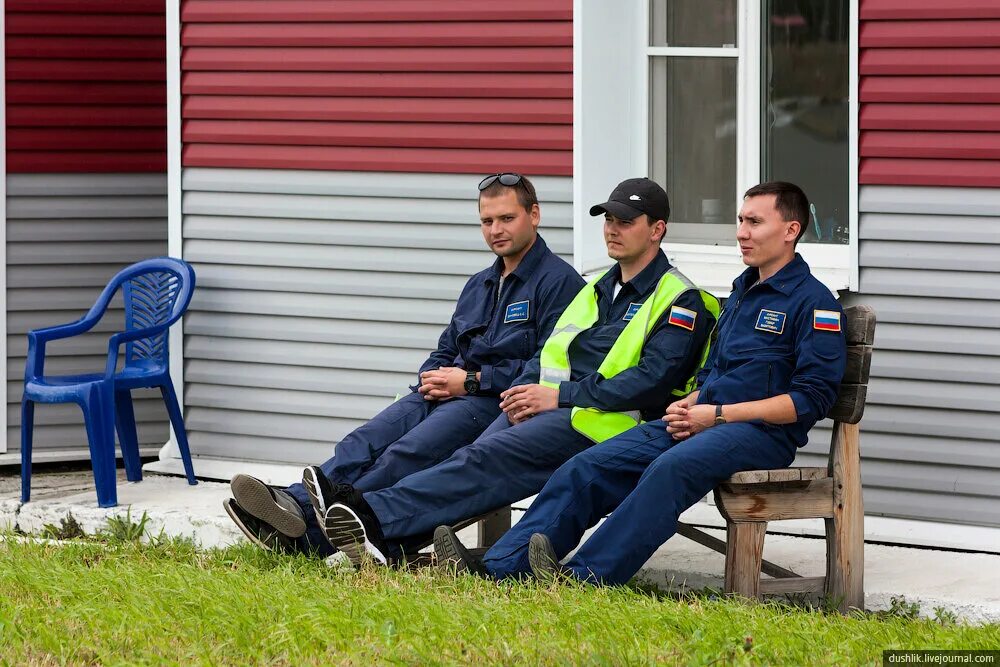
581, 314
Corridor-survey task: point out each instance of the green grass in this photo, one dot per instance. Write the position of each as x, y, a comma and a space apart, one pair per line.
166, 602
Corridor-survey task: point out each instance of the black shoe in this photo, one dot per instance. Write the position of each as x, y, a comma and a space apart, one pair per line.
355, 531
262, 534
272, 506
542, 558
449, 550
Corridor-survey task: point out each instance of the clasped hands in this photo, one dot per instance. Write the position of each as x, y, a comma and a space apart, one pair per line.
440, 384
684, 418
527, 400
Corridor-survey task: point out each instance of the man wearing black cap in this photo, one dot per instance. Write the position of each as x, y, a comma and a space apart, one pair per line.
629, 343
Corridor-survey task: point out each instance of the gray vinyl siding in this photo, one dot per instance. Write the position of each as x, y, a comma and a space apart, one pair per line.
930, 442
320, 294
67, 235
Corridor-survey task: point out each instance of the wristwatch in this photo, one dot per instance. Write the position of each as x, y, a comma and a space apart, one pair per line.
719, 419
471, 383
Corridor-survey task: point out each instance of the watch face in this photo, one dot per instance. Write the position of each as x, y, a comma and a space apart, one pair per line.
471, 386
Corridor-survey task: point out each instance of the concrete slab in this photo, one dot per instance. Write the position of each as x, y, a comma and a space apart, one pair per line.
966, 584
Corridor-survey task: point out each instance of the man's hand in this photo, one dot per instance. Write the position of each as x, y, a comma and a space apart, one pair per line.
685, 419
443, 383
527, 400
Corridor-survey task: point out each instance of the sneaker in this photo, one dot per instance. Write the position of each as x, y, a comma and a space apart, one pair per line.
323, 493
355, 532
260, 533
449, 550
272, 506
542, 558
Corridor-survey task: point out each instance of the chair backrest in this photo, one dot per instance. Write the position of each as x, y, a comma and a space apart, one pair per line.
860, 332
155, 291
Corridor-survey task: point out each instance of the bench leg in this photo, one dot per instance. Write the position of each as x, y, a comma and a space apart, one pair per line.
493, 526
744, 553
845, 532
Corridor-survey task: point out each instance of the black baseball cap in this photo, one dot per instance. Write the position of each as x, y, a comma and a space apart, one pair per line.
633, 197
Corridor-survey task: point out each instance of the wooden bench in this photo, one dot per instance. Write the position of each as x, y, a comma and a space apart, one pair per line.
748, 500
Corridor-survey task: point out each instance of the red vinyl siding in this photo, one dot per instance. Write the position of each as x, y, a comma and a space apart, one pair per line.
378, 85
86, 86
930, 92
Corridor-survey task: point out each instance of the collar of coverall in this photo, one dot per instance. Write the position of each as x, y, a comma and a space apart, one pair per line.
525, 267
785, 280
642, 283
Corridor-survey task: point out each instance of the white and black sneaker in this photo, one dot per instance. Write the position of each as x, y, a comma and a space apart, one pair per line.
358, 536
272, 506
450, 551
322, 492
543, 559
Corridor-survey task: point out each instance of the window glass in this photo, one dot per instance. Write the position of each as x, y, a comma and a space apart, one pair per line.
693, 144
805, 106
692, 22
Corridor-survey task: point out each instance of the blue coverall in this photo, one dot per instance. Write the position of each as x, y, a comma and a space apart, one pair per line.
774, 339
507, 463
495, 335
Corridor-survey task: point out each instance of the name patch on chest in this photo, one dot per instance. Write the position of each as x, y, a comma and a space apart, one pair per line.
771, 321
633, 308
516, 312
826, 320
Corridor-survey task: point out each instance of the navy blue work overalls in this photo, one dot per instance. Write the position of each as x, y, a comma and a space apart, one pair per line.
780, 336
495, 335
507, 463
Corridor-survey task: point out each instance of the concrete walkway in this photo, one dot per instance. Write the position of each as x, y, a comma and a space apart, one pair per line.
967, 584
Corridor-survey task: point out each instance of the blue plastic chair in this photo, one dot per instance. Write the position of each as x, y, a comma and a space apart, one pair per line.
156, 292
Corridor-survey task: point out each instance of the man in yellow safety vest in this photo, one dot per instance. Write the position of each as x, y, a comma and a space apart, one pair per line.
630, 342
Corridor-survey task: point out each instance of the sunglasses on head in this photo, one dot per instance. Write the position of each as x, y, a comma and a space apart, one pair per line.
507, 179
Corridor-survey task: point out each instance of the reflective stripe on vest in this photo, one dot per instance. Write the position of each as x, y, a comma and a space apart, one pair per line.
581, 314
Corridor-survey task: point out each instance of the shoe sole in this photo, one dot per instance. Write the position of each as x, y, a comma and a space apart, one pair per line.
542, 559
446, 550
255, 498
345, 531
250, 535
313, 489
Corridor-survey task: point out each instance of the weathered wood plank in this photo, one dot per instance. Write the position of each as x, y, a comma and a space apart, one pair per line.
850, 404
714, 543
784, 475
792, 585
744, 552
860, 327
845, 539
859, 364
814, 473
776, 501
749, 477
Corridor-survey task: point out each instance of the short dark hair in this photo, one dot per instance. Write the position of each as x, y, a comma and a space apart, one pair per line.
525, 190
789, 199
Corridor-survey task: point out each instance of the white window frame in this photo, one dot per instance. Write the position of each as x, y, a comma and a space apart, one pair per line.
612, 39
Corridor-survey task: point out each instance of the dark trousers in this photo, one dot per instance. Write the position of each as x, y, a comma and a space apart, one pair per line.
645, 479
410, 435
505, 464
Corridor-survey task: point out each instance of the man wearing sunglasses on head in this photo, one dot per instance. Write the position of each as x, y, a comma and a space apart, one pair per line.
630, 342
503, 314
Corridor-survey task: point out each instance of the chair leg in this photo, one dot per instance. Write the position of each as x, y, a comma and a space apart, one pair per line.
177, 421
98, 412
845, 532
127, 436
27, 431
744, 553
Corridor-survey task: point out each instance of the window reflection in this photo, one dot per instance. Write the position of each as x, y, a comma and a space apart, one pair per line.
805, 114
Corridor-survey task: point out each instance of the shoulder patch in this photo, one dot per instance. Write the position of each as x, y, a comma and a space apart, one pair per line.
826, 320
633, 308
682, 317
770, 320
517, 312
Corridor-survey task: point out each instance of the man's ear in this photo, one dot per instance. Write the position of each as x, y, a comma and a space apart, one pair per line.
793, 230
536, 215
661, 227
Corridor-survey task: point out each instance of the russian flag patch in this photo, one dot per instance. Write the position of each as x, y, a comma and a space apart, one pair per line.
826, 320
682, 317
